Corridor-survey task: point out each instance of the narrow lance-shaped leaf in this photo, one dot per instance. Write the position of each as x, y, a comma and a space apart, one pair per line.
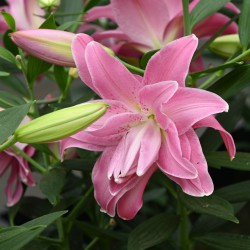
52, 183
204, 9
212, 205
153, 231
9, 20
238, 192
226, 241
15, 238
10, 119
7, 55
244, 24
220, 159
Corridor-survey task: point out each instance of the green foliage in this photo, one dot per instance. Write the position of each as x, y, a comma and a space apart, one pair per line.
226, 241
204, 9
153, 231
9, 20
52, 183
244, 24
16, 237
10, 119
211, 205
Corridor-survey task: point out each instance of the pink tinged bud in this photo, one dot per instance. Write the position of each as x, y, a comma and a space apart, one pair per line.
53, 46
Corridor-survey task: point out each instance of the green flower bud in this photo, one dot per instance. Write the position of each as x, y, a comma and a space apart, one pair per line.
60, 124
49, 4
226, 46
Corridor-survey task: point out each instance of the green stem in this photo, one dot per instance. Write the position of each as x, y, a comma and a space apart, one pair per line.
47, 101
91, 244
65, 91
35, 164
186, 17
184, 239
8, 143
132, 68
209, 81
77, 209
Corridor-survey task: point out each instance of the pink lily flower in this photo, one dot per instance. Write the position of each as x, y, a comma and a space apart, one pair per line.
146, 25
25, 12
150, 124
19, 171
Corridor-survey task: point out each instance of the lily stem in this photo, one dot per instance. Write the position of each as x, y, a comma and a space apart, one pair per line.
187, 27
35, 164
184, 239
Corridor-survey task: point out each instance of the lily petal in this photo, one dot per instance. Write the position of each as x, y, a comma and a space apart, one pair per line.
171, 162
99, 12
111, 79
190, 105
227, 138
147, 20
172, 62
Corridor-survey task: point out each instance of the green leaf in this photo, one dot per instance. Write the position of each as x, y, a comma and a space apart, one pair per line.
233, 82
205, 9
67, 25
52, 183
212, 205
221, 159
146, 57
15, 238
61, 76
15, 84
10, 119
244, 24
7, 55
9, 44
49, 23
238, 192
35, 68
8, 100
207, 223
153, 231
226, 241
68, 7
9, 20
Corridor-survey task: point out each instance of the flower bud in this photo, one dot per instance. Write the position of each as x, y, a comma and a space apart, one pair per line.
49, 4
60, 124
226, 46
53, 46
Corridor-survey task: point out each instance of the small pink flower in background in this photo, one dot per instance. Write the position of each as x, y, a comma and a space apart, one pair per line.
19, 171
150, 124
25, 12
147, 25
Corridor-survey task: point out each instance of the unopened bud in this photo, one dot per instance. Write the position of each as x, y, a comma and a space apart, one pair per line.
73, 72
60, 124
53, 46
226, 46
49, 4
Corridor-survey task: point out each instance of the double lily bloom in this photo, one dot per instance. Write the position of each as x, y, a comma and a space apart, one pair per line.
150, 124
150, 24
